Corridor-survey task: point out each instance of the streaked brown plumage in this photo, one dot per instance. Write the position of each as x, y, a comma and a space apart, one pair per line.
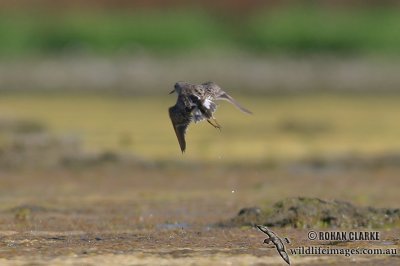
195, 103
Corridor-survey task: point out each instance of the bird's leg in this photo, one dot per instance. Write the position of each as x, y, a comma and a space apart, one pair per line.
211, 123
216, 122
216, 125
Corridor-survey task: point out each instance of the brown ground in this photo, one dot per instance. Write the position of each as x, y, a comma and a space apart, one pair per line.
133, 215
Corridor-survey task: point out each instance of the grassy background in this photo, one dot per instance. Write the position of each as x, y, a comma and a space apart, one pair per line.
282, 30
282, 127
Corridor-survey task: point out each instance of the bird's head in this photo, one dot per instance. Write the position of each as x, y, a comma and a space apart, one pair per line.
178, 87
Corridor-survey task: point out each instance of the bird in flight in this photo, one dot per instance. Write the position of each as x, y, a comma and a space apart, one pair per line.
196, 103
277, 241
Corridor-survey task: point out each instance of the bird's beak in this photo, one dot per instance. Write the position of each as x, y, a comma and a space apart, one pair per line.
172, 92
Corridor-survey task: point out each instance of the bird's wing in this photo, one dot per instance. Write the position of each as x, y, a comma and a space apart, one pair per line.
226, 97
284, 256
203, 107
180, 119
266, 231
277, 242
281, 248
209, 105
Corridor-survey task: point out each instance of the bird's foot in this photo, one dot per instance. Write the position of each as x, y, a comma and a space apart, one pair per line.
216, 125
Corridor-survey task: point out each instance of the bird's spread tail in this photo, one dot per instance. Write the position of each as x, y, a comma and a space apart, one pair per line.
230, 99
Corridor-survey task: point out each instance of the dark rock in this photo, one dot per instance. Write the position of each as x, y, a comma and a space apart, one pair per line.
315, 213
250, 211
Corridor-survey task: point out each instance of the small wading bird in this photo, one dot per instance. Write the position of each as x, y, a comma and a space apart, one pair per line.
277, 241
196, 103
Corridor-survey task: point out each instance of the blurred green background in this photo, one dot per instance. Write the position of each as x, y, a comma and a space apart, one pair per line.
322, 77
296, 29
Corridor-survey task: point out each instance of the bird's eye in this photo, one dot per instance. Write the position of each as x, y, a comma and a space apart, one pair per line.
176, 86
